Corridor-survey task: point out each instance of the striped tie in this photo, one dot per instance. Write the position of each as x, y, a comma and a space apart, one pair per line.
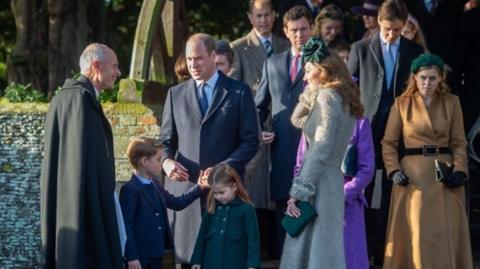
268, 48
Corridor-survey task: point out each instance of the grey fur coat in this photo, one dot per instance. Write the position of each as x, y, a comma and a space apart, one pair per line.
327, 126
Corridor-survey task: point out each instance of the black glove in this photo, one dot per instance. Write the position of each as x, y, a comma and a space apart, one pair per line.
456, 179
399, 178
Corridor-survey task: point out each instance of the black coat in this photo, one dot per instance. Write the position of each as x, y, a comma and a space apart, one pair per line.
78, 220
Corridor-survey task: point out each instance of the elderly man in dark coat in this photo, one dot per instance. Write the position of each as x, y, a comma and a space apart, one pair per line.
78, 221
206, 120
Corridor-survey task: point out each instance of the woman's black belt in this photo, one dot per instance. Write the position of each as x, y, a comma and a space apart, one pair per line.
428, 150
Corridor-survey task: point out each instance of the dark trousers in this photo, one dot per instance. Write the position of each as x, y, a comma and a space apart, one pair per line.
280, 208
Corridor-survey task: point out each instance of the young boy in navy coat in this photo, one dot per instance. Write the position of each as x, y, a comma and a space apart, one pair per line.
144, 206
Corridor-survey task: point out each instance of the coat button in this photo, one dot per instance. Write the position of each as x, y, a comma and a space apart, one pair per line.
379, 76
159, 227
220, 207
157, 214
221, 231
377, 96
224, 219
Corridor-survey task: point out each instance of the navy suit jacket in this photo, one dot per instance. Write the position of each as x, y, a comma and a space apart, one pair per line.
277, 95
146, 223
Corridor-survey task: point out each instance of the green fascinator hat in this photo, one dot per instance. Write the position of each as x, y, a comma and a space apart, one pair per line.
314, 51
426, 59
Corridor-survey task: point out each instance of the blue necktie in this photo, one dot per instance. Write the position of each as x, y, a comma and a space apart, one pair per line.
203, 98
268, 48
389, 62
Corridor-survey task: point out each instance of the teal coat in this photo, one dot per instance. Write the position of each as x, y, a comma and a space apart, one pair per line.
228, 238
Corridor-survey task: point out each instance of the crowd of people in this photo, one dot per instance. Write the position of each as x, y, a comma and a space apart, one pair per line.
367, 131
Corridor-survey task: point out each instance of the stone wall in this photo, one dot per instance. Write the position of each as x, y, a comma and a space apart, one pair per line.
21, 146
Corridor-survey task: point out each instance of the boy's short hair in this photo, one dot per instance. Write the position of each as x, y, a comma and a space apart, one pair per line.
296, 13
141, 147
339, 44
391, 10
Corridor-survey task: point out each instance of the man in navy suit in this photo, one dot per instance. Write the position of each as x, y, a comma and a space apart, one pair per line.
278, 92
207, 120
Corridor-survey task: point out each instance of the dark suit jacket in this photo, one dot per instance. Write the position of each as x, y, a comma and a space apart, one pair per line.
146, 222
228, 133
440, 28
366, 64
277, 90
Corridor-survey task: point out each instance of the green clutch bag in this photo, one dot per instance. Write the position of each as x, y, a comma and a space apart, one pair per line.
294, 226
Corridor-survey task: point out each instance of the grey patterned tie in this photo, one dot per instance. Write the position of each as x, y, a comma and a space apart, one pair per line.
268, 48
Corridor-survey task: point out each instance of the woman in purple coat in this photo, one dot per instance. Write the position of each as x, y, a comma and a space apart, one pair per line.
355, 241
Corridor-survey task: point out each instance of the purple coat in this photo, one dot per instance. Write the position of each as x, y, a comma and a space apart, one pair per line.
356, 256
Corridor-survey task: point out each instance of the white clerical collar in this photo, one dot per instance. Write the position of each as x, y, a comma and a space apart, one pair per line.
97, 92
210, 82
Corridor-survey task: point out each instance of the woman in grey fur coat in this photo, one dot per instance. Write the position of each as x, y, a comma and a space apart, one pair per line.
326, 112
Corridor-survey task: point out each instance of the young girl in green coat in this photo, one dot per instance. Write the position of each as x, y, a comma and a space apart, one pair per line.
228, 236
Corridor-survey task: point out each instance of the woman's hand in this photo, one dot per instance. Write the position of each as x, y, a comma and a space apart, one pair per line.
292, 209
135, 264
203, 178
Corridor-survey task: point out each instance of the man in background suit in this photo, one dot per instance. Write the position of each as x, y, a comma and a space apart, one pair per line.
208, 119
250, 52
277, 95
381, 64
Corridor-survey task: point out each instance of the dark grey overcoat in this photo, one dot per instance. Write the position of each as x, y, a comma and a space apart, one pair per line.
277, 95
228, 133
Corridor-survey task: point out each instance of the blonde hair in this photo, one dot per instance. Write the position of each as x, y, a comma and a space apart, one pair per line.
329, 12
141, 147
225, 174
335, 75
412, 87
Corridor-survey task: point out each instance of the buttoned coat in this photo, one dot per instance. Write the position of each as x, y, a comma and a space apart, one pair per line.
227, 133
328, 127
146, 222
277, 96
366, 64
228, 238
250, 55
427, 225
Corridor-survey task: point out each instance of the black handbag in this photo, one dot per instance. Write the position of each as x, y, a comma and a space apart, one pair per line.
294, 226
443, 170
349, 163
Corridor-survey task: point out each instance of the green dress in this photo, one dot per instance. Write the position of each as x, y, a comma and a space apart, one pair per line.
228, 238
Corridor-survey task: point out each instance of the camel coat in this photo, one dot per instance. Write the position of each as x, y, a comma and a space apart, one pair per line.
427, 225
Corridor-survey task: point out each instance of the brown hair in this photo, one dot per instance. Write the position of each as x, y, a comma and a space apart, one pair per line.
391, 10
335, 75
181, 69
296, 13
412, 87
329, 12
207, 40
141, 147
225, 174
251, 4
419, 38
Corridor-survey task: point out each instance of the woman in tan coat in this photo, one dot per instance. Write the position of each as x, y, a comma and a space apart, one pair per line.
427, 226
